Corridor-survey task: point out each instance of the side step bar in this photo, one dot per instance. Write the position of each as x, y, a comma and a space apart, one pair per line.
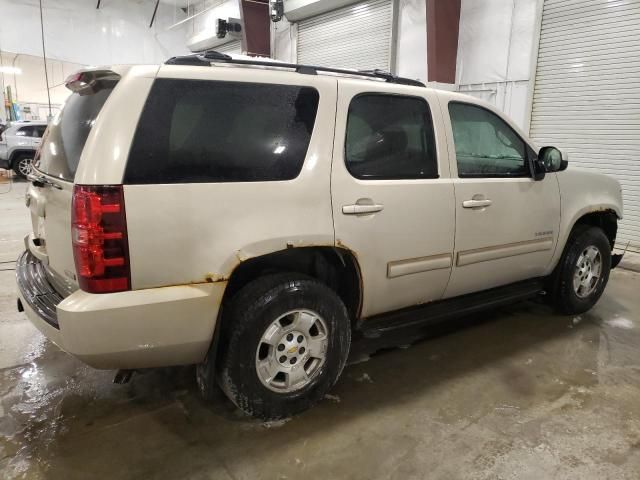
435, 312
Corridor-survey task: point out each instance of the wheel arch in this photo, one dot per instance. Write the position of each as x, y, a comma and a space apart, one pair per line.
338, 268
605, 219
15, 154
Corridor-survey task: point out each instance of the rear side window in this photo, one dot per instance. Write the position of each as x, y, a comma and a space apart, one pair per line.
32, 131
195, 131
68, 132
25, 132
390, 137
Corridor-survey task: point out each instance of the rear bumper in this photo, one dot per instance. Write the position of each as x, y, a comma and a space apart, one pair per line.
136, 329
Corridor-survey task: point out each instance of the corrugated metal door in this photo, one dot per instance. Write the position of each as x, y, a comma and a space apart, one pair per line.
358, 36
232, 48
587, 93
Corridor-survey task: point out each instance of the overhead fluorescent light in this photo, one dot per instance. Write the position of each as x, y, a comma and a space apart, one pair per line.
13, 70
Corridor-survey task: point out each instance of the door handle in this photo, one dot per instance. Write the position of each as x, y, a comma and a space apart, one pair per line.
476, 203
358, 209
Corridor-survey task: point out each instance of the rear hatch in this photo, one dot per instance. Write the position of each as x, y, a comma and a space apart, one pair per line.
49, 197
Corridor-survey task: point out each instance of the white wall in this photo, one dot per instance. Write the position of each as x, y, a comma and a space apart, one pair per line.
76, 34
28, 87
201, 31
411, 49
76, 31
283, 41
494, 52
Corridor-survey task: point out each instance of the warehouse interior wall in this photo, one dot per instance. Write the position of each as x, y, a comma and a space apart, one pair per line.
76, 33
494, 53
201, 31
411, 48
28, 87
411, 44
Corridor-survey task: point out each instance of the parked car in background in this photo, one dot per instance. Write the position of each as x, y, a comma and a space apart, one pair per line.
19, 143
252, 220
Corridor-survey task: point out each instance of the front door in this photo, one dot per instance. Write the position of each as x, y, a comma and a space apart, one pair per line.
506, 222
393, 201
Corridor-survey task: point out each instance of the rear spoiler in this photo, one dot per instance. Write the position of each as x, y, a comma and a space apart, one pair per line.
90, 81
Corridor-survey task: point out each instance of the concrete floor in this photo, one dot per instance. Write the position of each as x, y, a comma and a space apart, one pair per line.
516, 393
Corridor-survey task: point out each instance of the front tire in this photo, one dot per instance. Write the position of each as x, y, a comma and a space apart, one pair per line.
22, 165
583, 272
284, 343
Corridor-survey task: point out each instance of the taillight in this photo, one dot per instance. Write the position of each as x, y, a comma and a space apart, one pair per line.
99, 236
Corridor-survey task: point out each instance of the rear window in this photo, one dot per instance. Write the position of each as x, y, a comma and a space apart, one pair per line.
194, 131
64, 140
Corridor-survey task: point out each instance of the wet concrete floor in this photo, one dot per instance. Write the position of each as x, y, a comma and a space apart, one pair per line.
515, 393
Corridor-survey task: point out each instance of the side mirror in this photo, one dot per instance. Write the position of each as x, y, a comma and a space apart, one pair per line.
552, 159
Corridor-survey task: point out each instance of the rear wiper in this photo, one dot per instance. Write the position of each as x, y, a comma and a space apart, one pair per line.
41, 181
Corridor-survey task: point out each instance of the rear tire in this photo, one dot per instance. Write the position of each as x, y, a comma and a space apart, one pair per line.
583, 271
22, 165
284, 343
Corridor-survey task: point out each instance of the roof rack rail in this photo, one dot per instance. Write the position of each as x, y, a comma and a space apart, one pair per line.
205, 59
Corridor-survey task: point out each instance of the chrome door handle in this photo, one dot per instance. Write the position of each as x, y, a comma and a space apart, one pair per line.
476, 203
361, 209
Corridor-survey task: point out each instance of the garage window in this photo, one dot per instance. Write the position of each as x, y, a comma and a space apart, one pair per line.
485, 145
390, 137
198, 131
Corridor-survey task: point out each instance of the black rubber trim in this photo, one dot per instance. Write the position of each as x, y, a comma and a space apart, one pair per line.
36, 289
616, 259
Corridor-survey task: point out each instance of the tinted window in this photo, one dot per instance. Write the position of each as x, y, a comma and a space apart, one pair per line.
390, 137
68, 132
485, 145
25, 132
208, 131
38, 130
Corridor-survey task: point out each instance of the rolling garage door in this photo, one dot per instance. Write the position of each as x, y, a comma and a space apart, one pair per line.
358, 36
231, 48
587, 93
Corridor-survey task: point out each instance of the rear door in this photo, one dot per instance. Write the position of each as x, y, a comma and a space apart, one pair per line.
393, 202
50, 205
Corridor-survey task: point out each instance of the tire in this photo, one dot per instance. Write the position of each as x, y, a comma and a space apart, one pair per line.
574, 291
291, 311
20, 165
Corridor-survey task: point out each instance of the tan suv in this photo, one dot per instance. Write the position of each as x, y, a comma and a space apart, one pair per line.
252, 217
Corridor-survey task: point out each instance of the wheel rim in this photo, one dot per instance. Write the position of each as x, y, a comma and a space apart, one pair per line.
292, 351
24, 166
587, 272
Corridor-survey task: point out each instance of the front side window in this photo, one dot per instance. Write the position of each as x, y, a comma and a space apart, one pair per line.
390, 137
485, 145
200, 131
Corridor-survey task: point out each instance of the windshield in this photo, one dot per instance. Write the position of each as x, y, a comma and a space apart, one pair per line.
64, 140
